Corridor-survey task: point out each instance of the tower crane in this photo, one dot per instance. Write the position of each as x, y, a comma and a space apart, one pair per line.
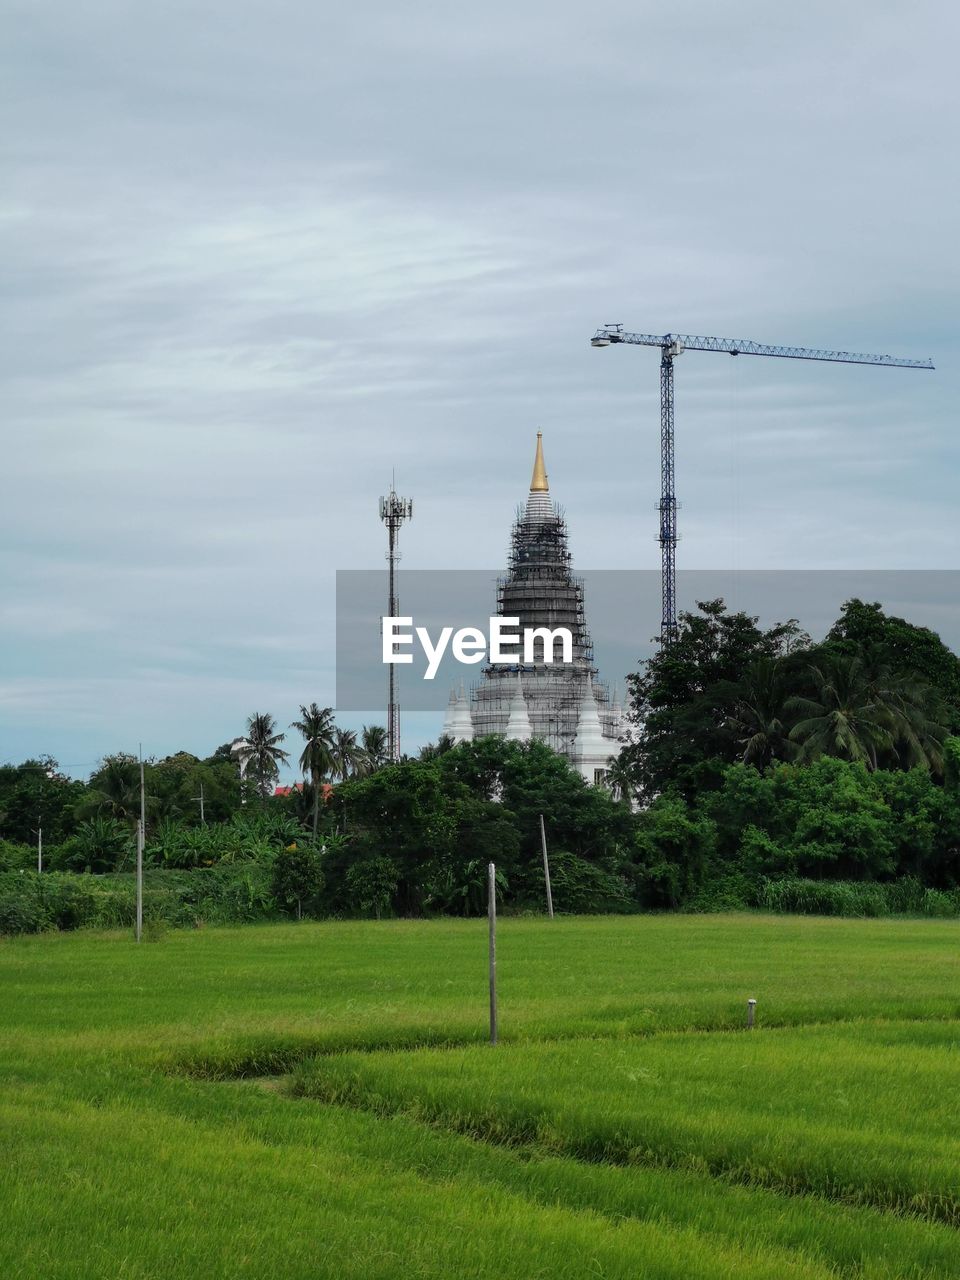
672, 345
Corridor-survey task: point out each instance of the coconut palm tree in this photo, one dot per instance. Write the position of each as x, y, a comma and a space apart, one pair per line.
430, 750
263, 750
862, 715
317, 727
373, 749
346, 753
921, 727
758, 713
620, 780
114, 790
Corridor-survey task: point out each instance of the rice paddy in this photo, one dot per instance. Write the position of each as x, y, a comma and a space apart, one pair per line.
318, 1100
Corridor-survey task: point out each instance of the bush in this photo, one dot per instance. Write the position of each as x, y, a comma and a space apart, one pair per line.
733, 892
230, 894
940, 904
17, 857
22, 909
674, 849
581, 887
372, 882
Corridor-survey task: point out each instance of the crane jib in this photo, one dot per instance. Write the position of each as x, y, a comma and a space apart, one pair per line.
744, 347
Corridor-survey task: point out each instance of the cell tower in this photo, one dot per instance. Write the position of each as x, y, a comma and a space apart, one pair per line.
393, 512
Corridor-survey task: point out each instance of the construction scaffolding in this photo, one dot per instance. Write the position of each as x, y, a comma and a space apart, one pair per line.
540, 590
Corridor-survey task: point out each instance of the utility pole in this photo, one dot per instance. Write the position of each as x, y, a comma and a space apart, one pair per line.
203, 821
672, 345
393, 512
39, 843
138, 926
546, 867
492, 947
143, 798
141, 837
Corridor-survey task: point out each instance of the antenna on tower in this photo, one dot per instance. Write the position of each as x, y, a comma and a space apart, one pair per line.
393, 512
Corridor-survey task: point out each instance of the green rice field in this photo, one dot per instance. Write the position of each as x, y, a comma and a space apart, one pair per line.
319, 1100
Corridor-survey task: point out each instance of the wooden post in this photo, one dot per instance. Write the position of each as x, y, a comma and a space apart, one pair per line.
139, 925
751, 1007
492, 918
546, 867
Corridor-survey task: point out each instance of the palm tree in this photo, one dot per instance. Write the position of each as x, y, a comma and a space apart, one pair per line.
317, 727
114, 790
759, 715
620, 780
263, 750
373, 749
859, 715
921, 728
346, 753
431, 750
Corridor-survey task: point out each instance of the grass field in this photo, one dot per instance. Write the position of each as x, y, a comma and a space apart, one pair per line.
316, 1100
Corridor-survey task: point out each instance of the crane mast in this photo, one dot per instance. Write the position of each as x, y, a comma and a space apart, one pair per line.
672, 345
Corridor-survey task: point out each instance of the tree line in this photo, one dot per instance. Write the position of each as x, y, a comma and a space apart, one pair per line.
758, 764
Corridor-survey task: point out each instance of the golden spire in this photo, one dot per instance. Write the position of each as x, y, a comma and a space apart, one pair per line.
539, 482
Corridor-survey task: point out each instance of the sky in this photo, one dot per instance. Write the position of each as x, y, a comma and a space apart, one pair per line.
258, 259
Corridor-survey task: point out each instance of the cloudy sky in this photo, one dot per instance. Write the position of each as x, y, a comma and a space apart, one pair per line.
257, 256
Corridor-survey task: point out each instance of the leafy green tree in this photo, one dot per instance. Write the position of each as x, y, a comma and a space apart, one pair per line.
318, 731
745, 798
672, 852
924, 825
264, 752
581, 887
832, 821
298, 878
402, 812
36, 793
485, 832
528, 779
886, 642
680, 702
174, 786
372, 884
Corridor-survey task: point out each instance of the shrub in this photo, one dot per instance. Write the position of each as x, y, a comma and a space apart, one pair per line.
372, 883
17, 857
22, 909
580, 887
674, 849
65, 900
